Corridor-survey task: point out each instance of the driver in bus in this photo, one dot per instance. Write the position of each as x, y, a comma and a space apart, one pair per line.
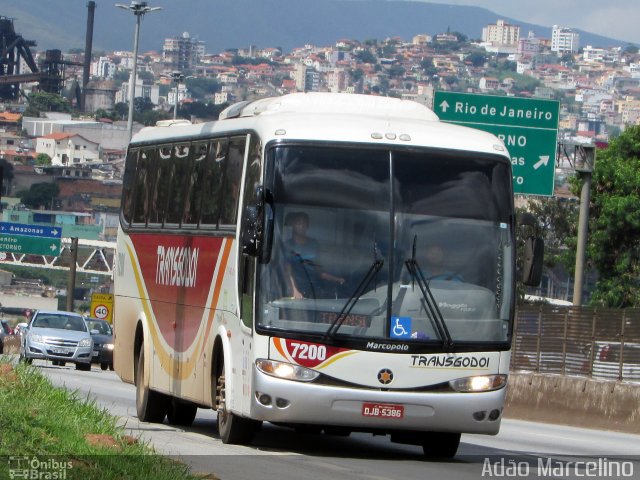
303, 274
435, 266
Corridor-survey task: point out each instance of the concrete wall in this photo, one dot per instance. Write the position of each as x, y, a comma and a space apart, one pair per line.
574, 401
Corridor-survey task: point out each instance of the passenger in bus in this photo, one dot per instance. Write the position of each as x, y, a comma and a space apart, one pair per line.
305, 276
436, 268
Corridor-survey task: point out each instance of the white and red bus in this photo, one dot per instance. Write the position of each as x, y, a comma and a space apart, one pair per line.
274, 266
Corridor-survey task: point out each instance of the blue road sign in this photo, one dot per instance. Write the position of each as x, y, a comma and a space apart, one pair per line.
20, 238
30, 230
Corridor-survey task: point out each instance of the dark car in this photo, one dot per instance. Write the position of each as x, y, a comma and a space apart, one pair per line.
102, 335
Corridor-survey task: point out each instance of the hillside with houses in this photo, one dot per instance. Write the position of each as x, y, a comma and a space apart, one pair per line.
82, 152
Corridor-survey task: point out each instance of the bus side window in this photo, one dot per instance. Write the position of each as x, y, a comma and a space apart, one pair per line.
179, 183
212, 183
232, 179
141, 205
128, 184
160, 192
195, 185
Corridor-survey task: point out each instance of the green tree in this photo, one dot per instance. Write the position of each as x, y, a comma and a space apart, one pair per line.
631, 49
614, 224
356, 75
200, 88
45, 102
477, 59
557, 219
396, 71
428, 67
40, 195
365, 56
205, 111
43, 159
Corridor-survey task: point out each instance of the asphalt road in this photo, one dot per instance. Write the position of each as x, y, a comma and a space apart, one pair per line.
536, 450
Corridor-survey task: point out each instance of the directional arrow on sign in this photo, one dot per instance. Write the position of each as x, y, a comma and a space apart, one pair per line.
544, 160
444, 106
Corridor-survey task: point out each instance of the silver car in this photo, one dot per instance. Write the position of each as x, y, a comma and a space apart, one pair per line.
58, 336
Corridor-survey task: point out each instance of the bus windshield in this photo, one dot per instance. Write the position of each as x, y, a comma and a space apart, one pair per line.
408, 245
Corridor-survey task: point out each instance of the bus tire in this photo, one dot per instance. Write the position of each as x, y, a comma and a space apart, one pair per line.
151, 406
440, 444
181, 413
231, 428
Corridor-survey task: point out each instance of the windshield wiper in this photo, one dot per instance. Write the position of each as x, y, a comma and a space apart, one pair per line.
432, 310
355, 296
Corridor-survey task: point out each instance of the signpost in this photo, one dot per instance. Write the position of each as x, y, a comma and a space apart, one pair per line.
21, 238
528, 128
102, 306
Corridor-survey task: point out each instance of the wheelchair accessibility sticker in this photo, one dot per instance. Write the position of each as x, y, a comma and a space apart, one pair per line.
400, 327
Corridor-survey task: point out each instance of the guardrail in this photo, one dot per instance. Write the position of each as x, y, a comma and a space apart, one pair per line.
587, 342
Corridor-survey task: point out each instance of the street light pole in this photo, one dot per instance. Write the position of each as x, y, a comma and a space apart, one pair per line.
177, 78
583, 159
138, 8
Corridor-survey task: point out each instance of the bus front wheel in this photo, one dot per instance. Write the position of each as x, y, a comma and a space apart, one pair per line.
440, 444
150, 406
231, 428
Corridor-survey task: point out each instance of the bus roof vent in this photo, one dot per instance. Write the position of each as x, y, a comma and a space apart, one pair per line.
172, 123
233, 111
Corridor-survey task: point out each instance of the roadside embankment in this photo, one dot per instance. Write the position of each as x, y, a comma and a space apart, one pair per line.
575, 401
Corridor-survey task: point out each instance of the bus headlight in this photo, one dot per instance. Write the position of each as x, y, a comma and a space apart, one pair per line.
287, 371
481, 383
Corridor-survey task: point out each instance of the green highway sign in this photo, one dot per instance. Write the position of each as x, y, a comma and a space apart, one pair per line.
21, 239
528, 128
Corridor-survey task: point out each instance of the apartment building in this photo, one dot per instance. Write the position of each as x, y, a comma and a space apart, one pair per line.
182, 53
564, 40
501, 34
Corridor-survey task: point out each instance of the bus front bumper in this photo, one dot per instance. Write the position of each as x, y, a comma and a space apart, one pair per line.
290, 402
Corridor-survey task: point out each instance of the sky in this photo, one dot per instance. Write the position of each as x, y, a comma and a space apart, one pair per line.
619, 19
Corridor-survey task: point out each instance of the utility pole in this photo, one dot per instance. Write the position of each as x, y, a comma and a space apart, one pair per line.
71, 284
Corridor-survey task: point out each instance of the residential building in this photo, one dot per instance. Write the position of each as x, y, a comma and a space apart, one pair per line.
143, 90
112, 136
104, 67
501, 34
182, 53
564, 40
68, 149
182, 94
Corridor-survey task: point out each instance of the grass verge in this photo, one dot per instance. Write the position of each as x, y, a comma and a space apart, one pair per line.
56, 434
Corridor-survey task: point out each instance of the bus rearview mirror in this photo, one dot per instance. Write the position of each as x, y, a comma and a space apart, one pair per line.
533, 260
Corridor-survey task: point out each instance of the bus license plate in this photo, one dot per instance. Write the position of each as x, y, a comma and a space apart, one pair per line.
382, 410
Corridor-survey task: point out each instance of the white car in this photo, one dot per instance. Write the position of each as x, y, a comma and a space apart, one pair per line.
58, 336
